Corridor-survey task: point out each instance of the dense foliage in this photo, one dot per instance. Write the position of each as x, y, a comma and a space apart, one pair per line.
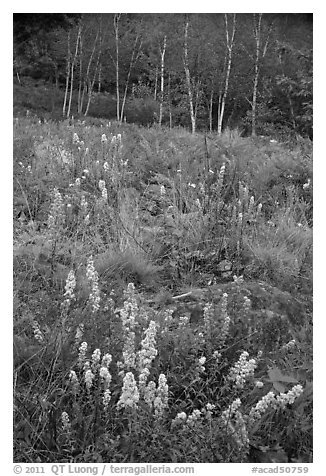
248, 71
162, 295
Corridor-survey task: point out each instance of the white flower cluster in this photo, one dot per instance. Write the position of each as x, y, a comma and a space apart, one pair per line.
106, 398
106, 379
129, 356
183, 419
190, 420
116, 140
226, 321
208, 316
82, 354
240, 431
106, 360
149, 393
167, 320
217, 356
193, 417
128, 315
142, 379
56, 216
267, 401
230, 411
37, 332
102, 187
90, 369
224, 303
243, 193
84, 206
147, 353
289, 345
278, 402
221, 177
242, 370
208, 410
89, 377
260, 206
201, 364
288, 398
74, 382
238, 279
183, 322
96, 357
66, 425
79, 333
251, 205
129, 397
246, 304
92, 277
179, 419
162, 394
234, 423
70, 285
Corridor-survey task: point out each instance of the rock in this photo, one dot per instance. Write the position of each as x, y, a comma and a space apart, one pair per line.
273, 313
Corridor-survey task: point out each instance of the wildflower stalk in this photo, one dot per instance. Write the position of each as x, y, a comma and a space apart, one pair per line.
147, 354
242, 370
128, 315
92, 276
129, 397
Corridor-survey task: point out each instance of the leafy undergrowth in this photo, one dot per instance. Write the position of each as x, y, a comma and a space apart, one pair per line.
163, 288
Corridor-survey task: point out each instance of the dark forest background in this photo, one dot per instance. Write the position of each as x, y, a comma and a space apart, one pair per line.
202, 71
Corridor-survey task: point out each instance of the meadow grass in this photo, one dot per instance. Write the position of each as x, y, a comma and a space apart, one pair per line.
112, 224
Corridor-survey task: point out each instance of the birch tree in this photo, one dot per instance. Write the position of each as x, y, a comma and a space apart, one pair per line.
67, 74
79, 104
85, 78
230, 35
116, 20
91, 82
134, 57
188, 77
72, 67
162, 53
261, 46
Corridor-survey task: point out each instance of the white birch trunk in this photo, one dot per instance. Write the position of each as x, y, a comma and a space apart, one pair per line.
86, 79
79, 104
162, 51
188, 79
156, 81
229, 46
67, 76
257, 35
170, 104
99, 78
116, 29
210, 112
131, 64
260, 54
72, 71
